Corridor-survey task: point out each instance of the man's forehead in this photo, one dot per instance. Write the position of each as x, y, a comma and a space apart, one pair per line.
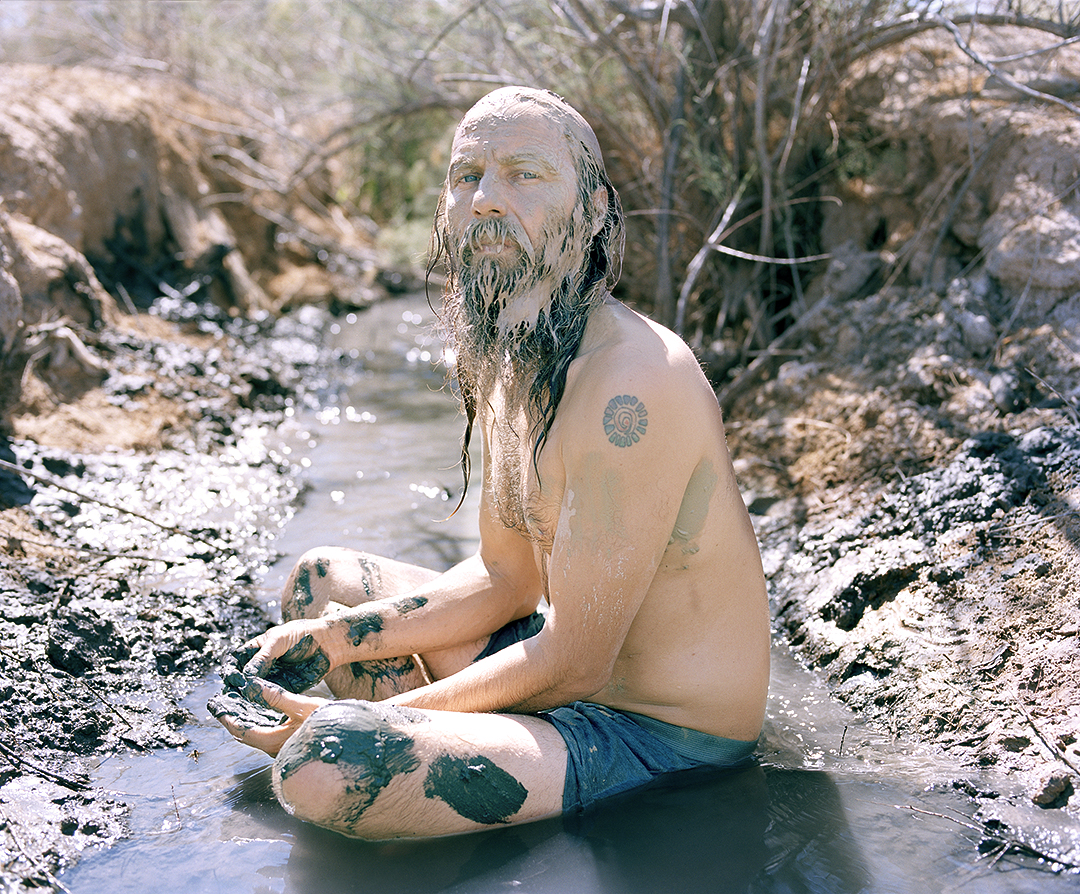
522, 108
511, 141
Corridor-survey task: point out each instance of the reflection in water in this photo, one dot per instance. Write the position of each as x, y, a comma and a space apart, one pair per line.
810, 843
706, 831
754, 830
873, 817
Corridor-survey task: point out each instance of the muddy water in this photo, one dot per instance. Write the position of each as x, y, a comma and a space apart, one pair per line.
831, 808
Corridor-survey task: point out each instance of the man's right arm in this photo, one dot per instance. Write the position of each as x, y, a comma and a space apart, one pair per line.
471, 600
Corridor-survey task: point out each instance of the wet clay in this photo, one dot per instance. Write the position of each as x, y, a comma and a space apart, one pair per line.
475, 788
363, 623
385, 671
363, 741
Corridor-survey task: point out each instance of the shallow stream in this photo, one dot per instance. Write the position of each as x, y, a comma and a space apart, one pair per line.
831, 808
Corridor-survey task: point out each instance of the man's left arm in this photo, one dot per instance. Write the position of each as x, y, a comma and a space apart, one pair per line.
628, 453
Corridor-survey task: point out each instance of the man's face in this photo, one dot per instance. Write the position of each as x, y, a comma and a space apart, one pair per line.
514, 169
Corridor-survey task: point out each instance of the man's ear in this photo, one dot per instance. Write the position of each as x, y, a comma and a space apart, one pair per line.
599, 209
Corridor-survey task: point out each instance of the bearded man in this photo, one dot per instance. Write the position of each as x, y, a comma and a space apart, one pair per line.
613, 625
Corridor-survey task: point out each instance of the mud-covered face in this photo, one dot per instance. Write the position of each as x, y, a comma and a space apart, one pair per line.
511, 180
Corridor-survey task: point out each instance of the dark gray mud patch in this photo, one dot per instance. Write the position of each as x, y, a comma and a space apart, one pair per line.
79, 640
243, 711
372, 579
14, 491
302, 587
363, 740
300, 668
867, 590
382, 670
406, 604
475, 788
364, 622
840, 565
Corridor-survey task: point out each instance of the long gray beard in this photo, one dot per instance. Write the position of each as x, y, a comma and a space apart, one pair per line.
508, 344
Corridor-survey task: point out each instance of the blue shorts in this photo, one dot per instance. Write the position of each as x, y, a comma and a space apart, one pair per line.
611, 751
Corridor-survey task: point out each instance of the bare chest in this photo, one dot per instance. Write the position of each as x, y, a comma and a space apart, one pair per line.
529, 489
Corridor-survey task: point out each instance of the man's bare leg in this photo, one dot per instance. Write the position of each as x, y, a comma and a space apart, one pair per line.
327, 580
379, 771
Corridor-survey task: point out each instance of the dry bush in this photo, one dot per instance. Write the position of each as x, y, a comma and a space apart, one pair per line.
717, 117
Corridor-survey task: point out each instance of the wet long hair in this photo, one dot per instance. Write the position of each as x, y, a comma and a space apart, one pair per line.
557, 337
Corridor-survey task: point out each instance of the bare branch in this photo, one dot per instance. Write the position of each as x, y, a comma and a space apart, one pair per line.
1002, 76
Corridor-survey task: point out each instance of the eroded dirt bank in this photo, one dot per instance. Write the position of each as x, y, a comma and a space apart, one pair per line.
126, 574
148, 242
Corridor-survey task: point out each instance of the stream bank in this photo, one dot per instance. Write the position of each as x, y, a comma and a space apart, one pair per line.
912, 468
126, 574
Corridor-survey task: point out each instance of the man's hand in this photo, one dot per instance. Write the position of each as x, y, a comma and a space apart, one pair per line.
261, 714
293, 656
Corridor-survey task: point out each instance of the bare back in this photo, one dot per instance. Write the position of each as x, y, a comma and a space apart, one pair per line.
695, 646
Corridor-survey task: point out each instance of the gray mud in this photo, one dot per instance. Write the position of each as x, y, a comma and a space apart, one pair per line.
130, 574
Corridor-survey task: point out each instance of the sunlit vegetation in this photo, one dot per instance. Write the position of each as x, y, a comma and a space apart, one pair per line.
718, 118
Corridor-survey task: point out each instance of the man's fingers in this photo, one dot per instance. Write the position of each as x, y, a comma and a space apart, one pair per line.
263, 716
268, 739
265, 693
245, 653
257, 666
270, 695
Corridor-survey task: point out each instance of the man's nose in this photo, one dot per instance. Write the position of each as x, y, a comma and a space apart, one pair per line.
488, 199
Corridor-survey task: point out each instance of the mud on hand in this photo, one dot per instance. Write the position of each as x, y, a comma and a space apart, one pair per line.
297, 670
242, 697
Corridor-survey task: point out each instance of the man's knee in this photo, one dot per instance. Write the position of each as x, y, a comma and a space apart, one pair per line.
303, 597
341, 760
329, 574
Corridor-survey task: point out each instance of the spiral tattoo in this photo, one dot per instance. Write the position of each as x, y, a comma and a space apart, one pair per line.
625, 420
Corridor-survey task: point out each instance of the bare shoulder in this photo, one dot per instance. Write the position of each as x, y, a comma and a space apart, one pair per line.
640, 379
622, 345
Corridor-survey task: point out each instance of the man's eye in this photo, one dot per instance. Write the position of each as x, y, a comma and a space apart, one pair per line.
468, 178
528, 175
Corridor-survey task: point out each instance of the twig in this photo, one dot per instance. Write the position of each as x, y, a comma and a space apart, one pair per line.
1002, 76
874, 37
1034, 521
943, 816
1038, 52
41, 771
52, 482
175, 806
425, 56
105, 702
954, 206
747, 376
1074, 414
1056, 752
843, 736
94, 552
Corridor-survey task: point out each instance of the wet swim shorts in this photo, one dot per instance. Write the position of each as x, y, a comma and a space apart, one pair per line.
611, 751
514, 632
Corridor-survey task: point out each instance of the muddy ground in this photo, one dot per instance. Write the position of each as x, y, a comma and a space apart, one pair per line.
920, 528
923, 560
127, 572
